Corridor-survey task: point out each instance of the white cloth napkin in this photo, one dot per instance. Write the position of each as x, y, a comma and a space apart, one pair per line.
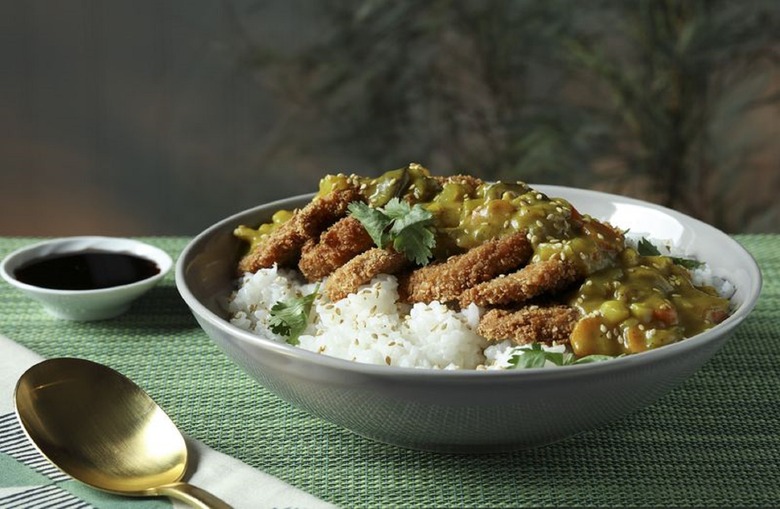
233, 481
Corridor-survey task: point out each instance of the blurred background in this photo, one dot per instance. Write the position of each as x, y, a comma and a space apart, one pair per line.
146, 117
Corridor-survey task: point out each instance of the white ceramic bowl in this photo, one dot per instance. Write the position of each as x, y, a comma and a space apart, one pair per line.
469, 411
85, 305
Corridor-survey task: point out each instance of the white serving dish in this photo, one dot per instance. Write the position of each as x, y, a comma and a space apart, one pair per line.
469, 411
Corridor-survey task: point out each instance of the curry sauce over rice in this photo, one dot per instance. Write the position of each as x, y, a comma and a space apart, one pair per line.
536, 269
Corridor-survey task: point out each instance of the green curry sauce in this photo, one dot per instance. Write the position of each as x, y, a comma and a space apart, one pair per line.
642, 302
629, 302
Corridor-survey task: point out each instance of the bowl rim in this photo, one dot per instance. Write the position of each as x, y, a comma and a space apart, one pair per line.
632, 361
129, 245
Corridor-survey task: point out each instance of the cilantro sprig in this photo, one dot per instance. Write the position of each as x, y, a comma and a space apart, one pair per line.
289, 318
646, 248
409, 229
535, 356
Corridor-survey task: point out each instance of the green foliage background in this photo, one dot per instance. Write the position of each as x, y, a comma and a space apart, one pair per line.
672, 101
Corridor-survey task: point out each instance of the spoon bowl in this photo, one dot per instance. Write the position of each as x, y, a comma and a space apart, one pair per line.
102, 429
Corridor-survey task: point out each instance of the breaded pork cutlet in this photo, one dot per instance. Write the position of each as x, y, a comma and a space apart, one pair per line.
531, 324
534, 279
283, 245
447, 280
361, 269
336, 246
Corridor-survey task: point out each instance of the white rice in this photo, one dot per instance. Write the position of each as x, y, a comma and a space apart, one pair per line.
372, 326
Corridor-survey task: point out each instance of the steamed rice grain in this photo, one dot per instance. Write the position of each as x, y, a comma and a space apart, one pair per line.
369, 326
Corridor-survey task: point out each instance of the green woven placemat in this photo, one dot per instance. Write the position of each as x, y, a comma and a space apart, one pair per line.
713, 441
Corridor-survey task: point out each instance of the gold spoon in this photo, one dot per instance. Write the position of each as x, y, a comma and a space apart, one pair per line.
100, 428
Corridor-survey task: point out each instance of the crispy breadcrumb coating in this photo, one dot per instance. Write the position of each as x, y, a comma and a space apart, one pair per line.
447, 280
531, 324
361, 269
283, 246
534, 279
337, 245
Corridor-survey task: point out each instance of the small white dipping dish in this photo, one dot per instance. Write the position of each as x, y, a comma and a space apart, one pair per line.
85, 305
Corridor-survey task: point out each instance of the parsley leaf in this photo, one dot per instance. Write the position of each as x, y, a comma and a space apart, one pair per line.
534, 356
416, 244
687, 262
290, 317
646, 248
408, 228
373, 220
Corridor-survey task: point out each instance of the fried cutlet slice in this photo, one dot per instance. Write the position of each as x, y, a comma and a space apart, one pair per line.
337, 245
283, 246
531, 324
361, 269
446, 281
534, 279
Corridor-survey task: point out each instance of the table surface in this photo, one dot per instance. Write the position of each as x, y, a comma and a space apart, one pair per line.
713, 441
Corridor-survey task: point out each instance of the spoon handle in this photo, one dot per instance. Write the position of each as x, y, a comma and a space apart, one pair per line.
192, 495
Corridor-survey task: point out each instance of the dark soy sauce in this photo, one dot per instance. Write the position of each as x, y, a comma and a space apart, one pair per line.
89, 270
